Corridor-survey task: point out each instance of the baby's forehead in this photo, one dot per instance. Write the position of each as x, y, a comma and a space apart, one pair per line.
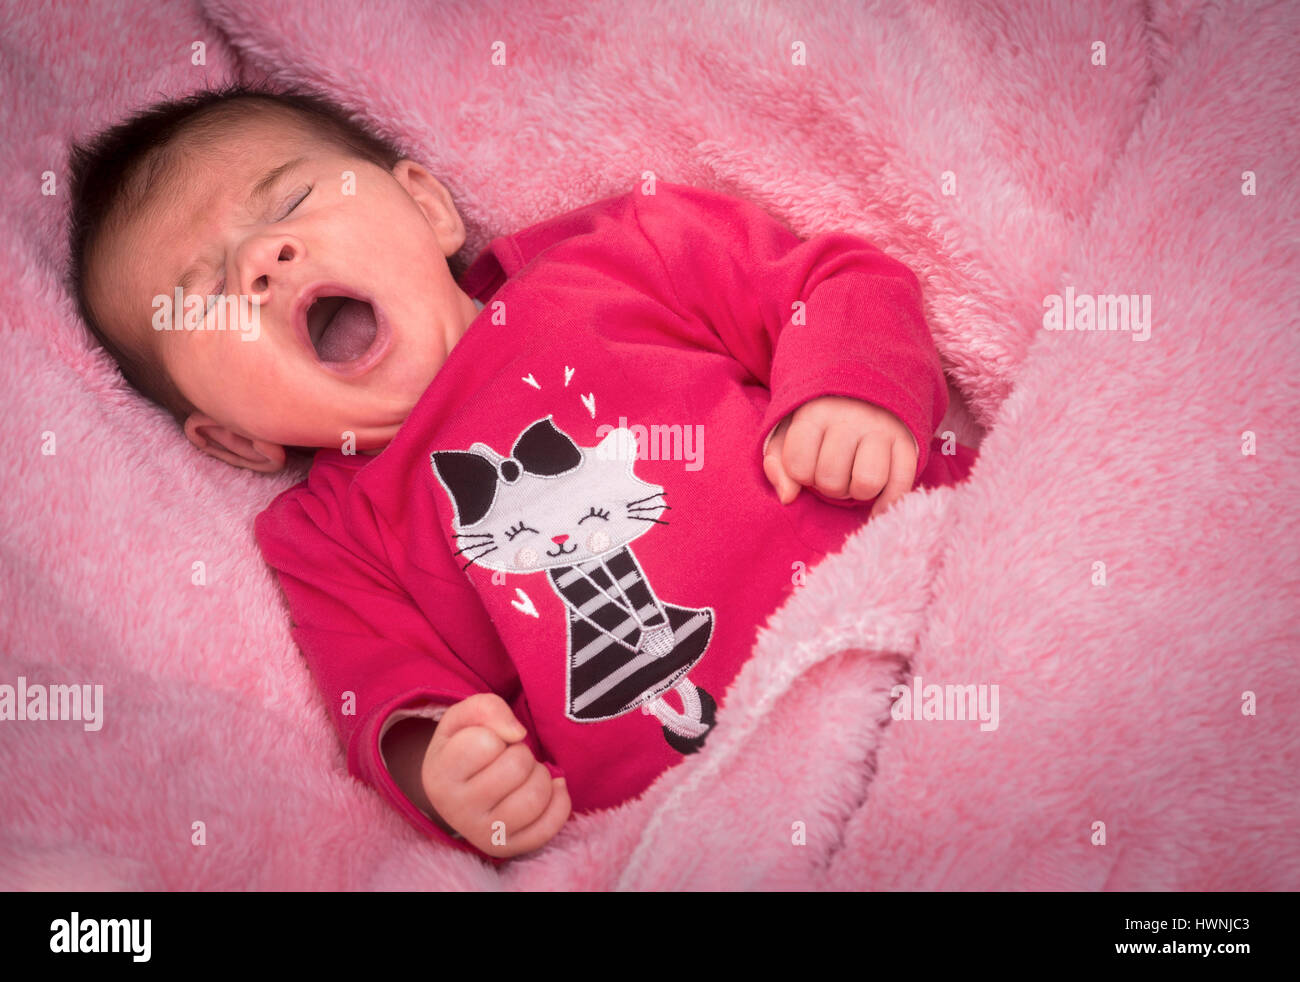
224, 150
220, 159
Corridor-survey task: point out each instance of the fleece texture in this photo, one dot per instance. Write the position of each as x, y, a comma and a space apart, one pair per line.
1122, 562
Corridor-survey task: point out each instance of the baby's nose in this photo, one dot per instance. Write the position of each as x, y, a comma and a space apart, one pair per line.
559, 540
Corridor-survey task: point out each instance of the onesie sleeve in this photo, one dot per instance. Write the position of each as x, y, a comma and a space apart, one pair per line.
370, 649
832, 315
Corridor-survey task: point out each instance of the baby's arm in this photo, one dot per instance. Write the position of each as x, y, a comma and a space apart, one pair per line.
832, 326
369, 646
473, 767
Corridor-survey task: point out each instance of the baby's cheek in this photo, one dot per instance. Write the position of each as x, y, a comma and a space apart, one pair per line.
526, 558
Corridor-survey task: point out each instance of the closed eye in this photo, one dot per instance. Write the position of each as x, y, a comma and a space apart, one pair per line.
297, 201
519, 529
301, 196
595, 513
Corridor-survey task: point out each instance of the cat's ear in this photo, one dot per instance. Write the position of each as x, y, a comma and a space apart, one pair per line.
619, 444
471, 482
546, 450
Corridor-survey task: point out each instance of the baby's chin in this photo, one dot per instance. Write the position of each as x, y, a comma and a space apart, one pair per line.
382, 408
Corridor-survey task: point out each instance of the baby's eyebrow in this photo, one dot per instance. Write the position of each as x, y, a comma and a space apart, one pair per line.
255, 197
263, 187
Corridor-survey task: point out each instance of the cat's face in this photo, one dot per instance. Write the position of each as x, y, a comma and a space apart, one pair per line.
537, 523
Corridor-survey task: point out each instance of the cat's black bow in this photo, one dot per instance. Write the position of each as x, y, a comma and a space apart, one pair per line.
471, 479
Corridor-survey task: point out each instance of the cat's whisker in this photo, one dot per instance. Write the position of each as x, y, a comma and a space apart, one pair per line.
474, 535
477, 558
642, 518
474, 545
650, 508
646, 498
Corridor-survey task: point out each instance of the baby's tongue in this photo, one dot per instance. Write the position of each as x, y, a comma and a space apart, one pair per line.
351, 331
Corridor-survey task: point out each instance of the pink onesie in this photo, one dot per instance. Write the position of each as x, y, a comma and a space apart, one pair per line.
575, 515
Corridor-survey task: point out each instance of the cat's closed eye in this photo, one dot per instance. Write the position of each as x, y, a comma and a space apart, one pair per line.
595, 513
519, 529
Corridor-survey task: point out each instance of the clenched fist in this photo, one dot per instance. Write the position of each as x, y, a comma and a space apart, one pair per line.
845, 448
478, 771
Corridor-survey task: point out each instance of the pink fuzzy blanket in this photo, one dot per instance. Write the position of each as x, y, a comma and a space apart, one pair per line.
1122, 564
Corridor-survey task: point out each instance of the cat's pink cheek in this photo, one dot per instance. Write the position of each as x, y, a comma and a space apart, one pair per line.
597, 542
526, 558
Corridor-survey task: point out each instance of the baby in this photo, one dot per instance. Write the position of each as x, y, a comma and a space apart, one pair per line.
518, 579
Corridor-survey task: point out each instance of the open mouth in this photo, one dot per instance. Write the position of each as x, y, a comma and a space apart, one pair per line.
343, 330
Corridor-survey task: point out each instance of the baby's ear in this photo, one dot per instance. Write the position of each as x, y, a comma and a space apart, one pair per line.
435, 201
222, 442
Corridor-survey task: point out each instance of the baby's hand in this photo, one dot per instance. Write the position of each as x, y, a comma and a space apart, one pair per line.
478, 771
845, 448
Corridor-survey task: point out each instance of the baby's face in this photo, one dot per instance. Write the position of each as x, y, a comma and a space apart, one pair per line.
273, 211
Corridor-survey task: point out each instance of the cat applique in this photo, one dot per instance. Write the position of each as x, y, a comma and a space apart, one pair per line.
572, 512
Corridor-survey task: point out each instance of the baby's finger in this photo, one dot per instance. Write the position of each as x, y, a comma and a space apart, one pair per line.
835, 461
548, 824
469, 752
902, 474
871, 468
799, 453
787, 489
523, 809
511, 770
485, 709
